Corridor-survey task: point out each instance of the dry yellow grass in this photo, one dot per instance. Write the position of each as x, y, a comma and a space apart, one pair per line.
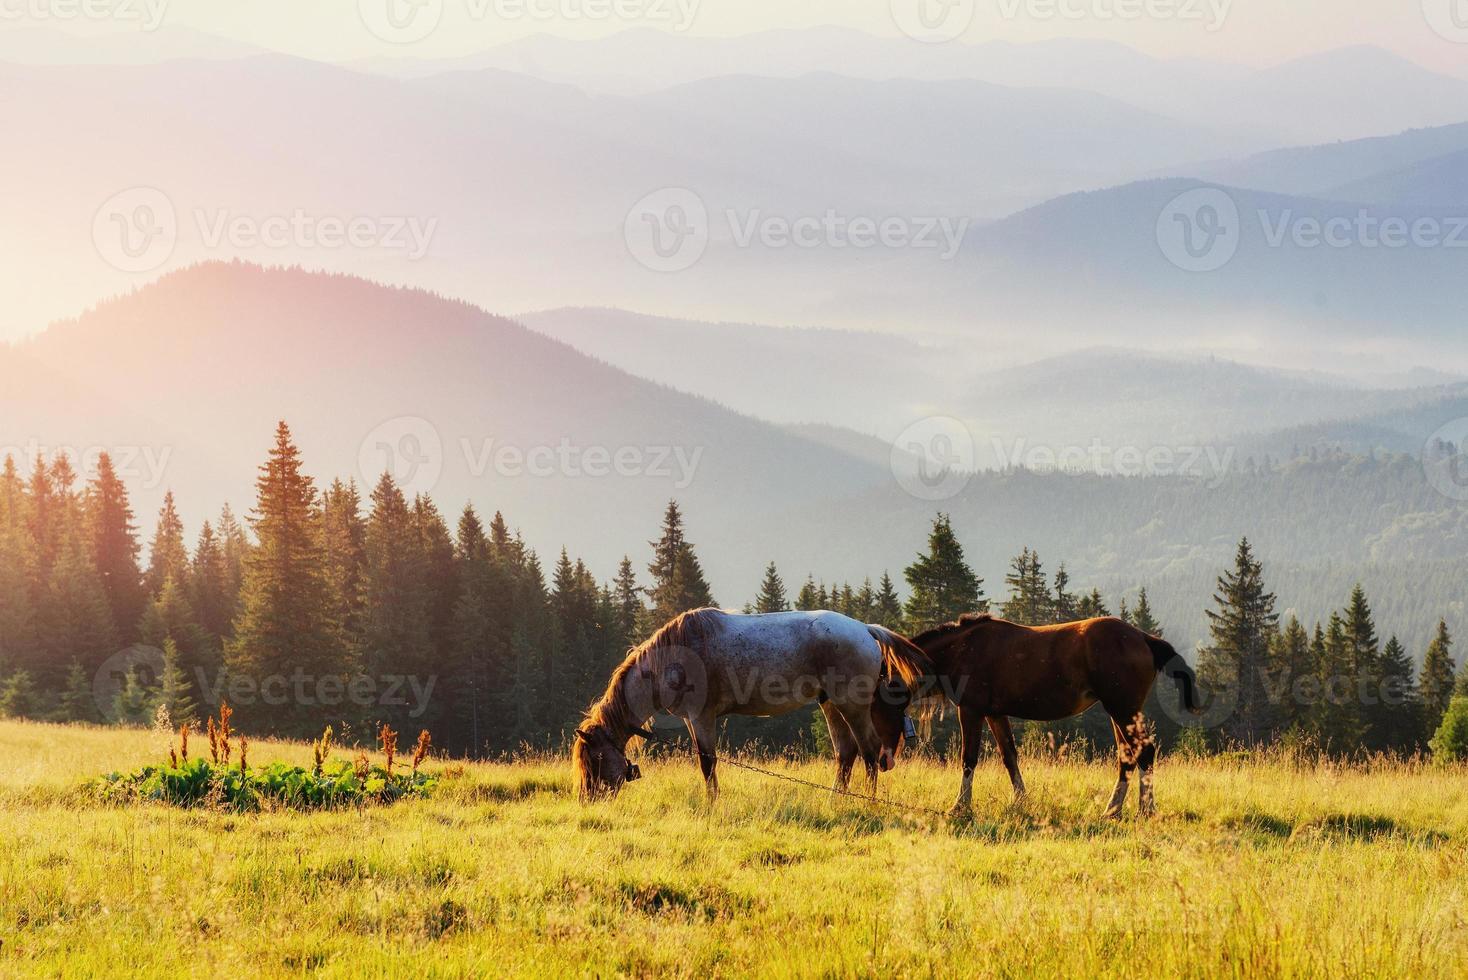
1250, 869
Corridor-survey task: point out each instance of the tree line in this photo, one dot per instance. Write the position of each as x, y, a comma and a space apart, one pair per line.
325, 606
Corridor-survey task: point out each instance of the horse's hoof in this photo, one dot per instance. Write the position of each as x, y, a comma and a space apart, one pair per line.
961, 813
1113, 814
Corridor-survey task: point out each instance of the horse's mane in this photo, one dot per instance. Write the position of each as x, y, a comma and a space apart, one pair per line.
611, 712
686, 631
962, 623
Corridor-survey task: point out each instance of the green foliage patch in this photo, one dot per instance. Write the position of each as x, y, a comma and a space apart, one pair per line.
199, 782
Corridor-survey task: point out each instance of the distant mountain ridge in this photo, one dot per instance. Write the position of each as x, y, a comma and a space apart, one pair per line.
201, 364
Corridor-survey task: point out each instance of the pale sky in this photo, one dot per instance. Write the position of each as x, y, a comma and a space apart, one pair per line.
1256, 32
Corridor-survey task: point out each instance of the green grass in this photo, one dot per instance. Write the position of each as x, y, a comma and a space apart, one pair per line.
1249, 869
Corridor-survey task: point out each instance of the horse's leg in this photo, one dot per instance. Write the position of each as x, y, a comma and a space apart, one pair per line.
1004, 738
843, 742
971, 724
704, 732
1146, 805
1127, 752
858, 718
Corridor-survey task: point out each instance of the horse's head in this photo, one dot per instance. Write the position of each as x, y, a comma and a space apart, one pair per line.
889, 718
601, 762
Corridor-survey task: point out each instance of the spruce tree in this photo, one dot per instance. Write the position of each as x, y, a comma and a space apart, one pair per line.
887, 605
1063, 605
115, 547
1029, 602
19, 642
1397, 720
174, 688
169, 556
1290, 661
77, 703
43, 522
483, 620
470, 544
441, 573
13, 505
73, 618
941, 585
1093, 606
1142, 617
235, 548
1436, 689
1237, 659
343, 536
771, 597
19, 697
627, 595
134, 704
209, 588
283, 624
1363, 665
809, 598
677, 577
1338, 719
396, 635
170, 619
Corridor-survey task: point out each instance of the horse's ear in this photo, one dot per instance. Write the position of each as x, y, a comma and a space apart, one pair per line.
581, 734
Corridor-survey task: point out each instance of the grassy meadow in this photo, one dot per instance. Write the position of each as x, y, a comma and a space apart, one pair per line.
1251, 868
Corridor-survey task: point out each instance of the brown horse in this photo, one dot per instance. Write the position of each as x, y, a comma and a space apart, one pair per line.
994, 670
709, 663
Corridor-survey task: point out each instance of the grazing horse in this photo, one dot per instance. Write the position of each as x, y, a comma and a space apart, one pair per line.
994, 670
708, 663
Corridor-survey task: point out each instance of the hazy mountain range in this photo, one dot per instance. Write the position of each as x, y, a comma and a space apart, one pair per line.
523, 186
1342, 94
194, 371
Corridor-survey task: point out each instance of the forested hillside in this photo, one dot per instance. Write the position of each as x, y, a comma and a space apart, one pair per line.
347, 605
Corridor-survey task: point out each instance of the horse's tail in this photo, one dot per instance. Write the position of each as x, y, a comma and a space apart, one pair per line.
1167, 660
901, 658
